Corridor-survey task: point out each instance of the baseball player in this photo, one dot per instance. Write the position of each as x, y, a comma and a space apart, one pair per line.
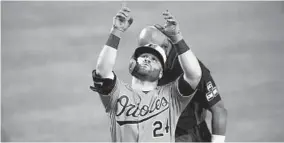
144, 111
191, 126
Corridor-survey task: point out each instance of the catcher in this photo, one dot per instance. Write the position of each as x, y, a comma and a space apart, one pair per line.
144, 111
191, 126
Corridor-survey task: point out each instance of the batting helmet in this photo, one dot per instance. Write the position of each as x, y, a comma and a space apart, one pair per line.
154, 49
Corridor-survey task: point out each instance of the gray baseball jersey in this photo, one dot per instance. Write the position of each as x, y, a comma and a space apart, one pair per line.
136, 116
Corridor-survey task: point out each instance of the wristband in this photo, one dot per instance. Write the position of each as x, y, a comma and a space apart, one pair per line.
113, 41
181, 47
218, 138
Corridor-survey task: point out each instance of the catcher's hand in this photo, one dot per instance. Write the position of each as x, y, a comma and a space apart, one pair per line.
171, 27
122, 20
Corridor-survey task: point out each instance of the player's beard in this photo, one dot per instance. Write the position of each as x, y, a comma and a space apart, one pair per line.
147, 73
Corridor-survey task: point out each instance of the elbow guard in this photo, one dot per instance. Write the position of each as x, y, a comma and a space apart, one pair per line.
102, 85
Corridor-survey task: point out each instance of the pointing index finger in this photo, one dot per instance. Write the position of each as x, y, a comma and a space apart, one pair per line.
124, 6
166, 12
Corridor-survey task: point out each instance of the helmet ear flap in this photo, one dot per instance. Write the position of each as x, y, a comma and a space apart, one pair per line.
132, 65
161, 74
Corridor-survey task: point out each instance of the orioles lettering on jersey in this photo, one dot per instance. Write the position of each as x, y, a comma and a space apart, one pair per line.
131, 111
137, 116
212, 91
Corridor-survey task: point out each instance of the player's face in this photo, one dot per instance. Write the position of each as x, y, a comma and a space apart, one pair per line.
149, 67
149, 62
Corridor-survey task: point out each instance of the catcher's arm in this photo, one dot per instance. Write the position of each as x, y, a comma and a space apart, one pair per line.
107, 56
211, 100
219, 121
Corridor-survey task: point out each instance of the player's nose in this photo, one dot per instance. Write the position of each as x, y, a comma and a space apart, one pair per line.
147, 59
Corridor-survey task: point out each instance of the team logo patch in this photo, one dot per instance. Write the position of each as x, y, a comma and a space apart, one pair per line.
212, 91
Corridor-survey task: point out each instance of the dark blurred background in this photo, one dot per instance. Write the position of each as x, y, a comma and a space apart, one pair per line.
50, 48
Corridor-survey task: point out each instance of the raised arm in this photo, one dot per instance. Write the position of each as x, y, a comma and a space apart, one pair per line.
187, 59
107, 56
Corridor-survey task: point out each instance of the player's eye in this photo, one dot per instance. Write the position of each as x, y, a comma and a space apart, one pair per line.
154, 59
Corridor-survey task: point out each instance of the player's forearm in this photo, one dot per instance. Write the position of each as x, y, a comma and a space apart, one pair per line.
189, 64
219, 121
107, 56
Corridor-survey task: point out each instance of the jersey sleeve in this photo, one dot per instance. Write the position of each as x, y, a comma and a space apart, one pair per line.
108, 90
179, 97
209, 94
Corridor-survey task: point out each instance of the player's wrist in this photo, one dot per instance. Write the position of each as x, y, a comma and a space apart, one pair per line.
176, 38
218, 138
116, 31
113, 39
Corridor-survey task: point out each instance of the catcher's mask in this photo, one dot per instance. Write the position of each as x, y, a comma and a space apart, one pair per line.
148, 48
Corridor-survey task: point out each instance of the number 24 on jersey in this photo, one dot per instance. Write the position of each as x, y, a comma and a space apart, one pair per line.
160, 128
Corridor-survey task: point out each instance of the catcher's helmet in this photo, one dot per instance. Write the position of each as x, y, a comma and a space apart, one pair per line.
148, 48
154, 35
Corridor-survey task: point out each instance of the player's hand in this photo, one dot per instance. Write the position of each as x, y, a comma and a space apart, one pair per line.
122, 20
171, 27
